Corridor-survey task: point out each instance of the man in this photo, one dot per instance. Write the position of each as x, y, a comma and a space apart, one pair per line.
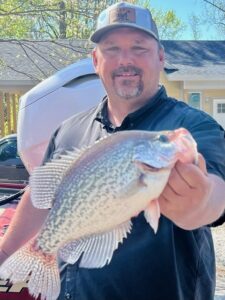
178, 261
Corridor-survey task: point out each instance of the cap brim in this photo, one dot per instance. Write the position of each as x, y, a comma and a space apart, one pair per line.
98, 34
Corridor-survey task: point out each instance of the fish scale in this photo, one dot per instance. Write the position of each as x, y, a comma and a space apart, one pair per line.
93, 193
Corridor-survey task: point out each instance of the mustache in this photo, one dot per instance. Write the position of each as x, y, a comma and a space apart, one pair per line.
129, 69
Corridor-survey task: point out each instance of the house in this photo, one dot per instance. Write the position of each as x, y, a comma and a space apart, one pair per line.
195, 73
194, 70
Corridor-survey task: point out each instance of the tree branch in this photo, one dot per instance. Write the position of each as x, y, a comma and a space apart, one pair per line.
51, 26
41, 56
20, 72
31, 59
81, 49
213, 4
221, 23
43, 10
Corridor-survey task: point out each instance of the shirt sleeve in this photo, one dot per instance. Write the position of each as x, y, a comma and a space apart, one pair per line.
210, 138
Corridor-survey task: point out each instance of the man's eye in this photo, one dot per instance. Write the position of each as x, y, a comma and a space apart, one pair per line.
139, 49
112, 49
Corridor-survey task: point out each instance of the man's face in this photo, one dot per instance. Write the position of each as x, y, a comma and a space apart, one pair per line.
129, 63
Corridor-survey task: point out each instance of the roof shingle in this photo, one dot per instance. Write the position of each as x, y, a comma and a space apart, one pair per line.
195, 59
36, 60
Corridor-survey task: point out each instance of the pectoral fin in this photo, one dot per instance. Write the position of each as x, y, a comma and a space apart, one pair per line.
152, 214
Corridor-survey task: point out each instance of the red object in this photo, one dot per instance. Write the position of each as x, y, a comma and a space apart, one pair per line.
7, 185
6, 215
7, 290
14, 292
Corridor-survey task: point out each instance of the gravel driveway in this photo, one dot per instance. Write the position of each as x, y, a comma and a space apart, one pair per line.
219, 243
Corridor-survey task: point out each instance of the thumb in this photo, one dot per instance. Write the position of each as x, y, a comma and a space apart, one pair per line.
202, 164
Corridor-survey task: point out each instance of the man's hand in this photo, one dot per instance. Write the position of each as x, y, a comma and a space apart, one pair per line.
192, 198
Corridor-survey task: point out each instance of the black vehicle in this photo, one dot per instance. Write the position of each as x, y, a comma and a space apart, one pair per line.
12, 169
13, 179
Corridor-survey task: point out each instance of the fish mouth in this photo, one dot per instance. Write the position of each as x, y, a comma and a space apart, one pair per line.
153, 168
149, 168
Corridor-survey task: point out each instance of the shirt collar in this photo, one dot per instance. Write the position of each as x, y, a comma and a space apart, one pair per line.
102, 112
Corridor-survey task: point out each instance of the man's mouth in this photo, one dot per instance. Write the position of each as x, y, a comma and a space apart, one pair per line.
127, 75
126, 72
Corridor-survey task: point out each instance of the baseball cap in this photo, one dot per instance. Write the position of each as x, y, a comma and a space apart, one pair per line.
124, 14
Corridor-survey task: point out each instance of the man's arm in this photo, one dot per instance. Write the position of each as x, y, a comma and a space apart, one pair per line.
24, 225
192, 197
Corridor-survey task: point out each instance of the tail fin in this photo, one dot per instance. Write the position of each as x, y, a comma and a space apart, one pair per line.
42, 269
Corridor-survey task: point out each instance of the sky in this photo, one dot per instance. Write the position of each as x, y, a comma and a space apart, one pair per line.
183, 9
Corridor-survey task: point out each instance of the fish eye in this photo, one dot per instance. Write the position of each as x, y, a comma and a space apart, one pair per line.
163, 138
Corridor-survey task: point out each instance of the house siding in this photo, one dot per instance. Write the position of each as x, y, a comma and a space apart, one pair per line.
210, 95
174, 88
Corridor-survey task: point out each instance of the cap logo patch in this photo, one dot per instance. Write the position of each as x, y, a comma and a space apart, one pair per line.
122, 15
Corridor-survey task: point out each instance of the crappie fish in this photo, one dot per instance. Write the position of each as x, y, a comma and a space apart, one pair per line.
93, 193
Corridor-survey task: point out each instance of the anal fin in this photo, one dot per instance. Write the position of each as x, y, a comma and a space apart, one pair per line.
96, 250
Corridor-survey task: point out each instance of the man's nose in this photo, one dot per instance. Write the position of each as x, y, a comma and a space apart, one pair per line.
125, 57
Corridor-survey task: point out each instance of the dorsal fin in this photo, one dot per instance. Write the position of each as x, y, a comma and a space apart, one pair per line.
45, 179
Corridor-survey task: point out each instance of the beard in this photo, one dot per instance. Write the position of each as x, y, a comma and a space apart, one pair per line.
127, 82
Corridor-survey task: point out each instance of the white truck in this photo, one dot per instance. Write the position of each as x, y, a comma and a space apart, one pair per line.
71, 90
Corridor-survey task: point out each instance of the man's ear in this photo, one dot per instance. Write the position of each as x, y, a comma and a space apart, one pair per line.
162, 58
95, 60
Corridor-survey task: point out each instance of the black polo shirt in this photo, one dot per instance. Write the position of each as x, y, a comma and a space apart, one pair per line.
172, 264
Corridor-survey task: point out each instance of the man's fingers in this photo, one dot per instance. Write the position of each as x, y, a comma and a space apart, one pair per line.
192, 174
202, 164
177, 182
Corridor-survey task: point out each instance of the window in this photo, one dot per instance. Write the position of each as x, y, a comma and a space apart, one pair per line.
8, 150
221, 108
194, 100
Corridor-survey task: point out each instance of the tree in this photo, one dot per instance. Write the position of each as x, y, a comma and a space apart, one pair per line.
195, 23
220, 5
53, 19
49, 19
215, 15
11, 24
169, 25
